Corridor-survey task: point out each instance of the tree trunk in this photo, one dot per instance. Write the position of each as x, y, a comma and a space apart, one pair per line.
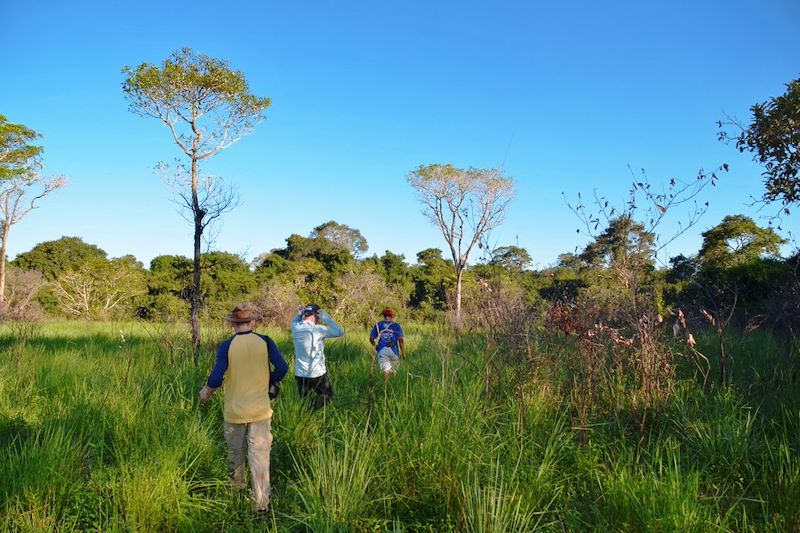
3, 249
198, 233
723, 360
459, 275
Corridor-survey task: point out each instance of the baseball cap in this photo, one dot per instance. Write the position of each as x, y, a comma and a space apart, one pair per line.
310, 309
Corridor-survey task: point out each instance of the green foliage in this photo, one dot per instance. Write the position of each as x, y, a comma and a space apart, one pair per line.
511, 257
327, 253
53, 258
737, 240
225, 278
397, 273
773, 137
736, 277
100, 289
270, 266
342, 235
624, 244
170, 274
432, 277
17, 156
189, 85
560, 283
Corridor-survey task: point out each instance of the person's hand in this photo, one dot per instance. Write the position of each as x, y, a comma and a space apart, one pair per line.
274, 390
205, 394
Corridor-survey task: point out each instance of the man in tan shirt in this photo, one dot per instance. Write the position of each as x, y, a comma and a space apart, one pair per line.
244, 362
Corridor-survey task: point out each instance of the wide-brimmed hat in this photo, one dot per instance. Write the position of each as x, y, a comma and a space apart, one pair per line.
242, 314
388, 312
310, 309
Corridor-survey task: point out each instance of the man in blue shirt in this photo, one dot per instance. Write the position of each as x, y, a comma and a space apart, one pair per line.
389, 335
244, 362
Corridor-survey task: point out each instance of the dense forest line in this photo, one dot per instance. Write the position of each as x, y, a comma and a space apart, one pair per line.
738, 273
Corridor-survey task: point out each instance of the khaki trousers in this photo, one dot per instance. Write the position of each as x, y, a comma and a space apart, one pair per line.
253, 440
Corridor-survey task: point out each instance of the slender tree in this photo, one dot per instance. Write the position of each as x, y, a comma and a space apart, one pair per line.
465, 205
207, 107
21, 183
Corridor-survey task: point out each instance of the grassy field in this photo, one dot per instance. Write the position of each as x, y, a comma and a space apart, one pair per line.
101, 431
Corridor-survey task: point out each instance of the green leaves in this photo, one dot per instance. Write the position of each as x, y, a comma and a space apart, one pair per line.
205, 103
737, 240
17, 156
774, 138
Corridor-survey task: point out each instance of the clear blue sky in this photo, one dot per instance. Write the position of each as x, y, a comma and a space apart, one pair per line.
565, 95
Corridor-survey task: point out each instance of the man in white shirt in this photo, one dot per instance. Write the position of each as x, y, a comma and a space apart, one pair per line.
309, 337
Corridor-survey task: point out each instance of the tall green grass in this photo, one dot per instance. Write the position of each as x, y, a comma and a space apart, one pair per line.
101, 431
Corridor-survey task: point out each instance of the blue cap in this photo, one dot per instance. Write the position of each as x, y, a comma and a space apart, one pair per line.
310, 309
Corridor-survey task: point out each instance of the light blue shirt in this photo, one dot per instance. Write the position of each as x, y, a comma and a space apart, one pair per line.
309, 345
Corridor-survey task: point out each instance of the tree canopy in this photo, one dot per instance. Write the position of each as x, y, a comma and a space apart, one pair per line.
52, 258
773, 137
206, 105
342, 235
737, 240
17, 154
511, 257
624, 243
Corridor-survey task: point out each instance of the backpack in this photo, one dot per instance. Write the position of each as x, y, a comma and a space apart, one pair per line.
385, 334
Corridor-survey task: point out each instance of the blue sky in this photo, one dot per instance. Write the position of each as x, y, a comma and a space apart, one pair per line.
566, 96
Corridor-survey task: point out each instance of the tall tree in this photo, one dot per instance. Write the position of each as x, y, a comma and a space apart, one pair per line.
773, 137
624, 244
465, 205
21, 183
343, 235
512, 258
53, 258
330, 255
207, 107
737, 240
